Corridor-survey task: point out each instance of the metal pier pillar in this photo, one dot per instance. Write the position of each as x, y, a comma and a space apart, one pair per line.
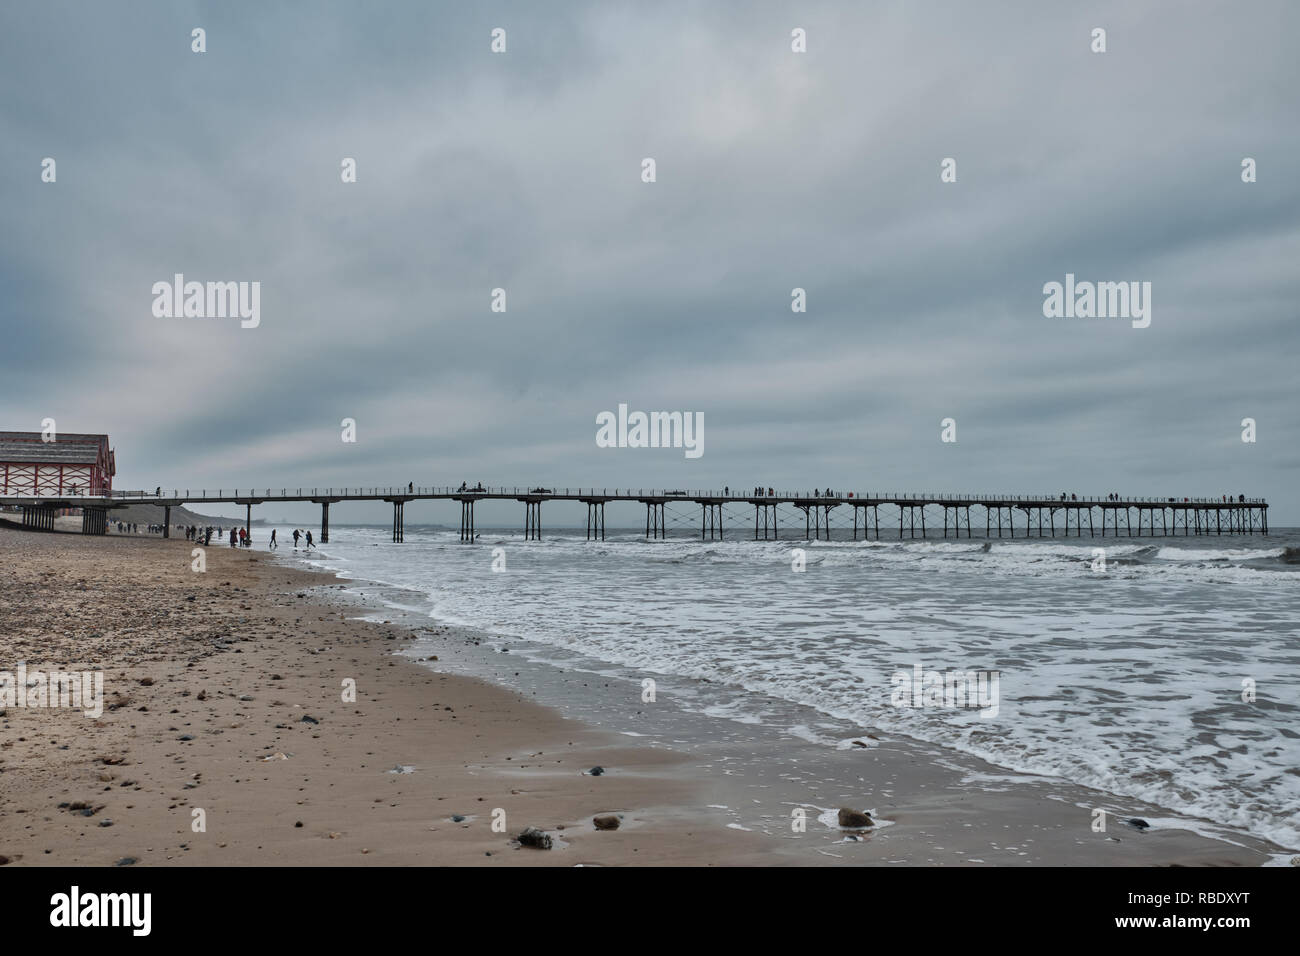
94, 521
167, 521
654, 520
325, 522
710, 520
595, 520
466, 519
532, 519
399, 521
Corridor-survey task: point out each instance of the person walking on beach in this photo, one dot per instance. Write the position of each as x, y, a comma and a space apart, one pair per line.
308, 540
295, 539
272, 546
233, 537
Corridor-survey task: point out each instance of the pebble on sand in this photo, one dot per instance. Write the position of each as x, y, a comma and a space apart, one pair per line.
854, 818
535, 838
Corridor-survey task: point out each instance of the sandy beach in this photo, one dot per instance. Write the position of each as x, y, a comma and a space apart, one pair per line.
223, 693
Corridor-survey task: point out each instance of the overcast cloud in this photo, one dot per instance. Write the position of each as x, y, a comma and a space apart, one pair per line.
776, 170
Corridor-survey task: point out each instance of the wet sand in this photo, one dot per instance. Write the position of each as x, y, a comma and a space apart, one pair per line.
224, 694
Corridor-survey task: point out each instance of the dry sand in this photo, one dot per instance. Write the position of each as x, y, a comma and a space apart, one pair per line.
236, 658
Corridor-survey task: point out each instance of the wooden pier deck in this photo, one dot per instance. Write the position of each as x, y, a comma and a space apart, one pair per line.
1011, 516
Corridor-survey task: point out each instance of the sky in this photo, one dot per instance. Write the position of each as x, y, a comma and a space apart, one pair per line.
774, 170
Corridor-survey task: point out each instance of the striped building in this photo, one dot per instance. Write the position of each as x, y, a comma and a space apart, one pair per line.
66, 465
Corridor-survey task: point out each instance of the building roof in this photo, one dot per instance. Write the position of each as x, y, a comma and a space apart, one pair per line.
66, 449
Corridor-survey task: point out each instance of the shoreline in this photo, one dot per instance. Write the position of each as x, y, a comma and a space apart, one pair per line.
285, 637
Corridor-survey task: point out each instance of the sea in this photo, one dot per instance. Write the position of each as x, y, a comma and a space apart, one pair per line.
1165, 670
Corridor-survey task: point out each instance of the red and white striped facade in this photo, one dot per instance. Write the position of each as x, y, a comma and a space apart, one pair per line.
65, 466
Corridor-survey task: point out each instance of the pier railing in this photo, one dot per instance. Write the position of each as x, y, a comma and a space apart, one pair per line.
726, 494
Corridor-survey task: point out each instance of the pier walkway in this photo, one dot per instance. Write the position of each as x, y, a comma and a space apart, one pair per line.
1012, 516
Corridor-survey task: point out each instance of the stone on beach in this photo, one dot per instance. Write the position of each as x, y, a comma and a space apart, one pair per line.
535, 838
854, 819
606, 821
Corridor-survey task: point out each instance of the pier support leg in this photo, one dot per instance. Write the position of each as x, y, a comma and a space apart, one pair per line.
654, 520
325, 522
167, 521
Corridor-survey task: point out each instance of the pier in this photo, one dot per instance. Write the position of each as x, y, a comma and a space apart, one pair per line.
716, 512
